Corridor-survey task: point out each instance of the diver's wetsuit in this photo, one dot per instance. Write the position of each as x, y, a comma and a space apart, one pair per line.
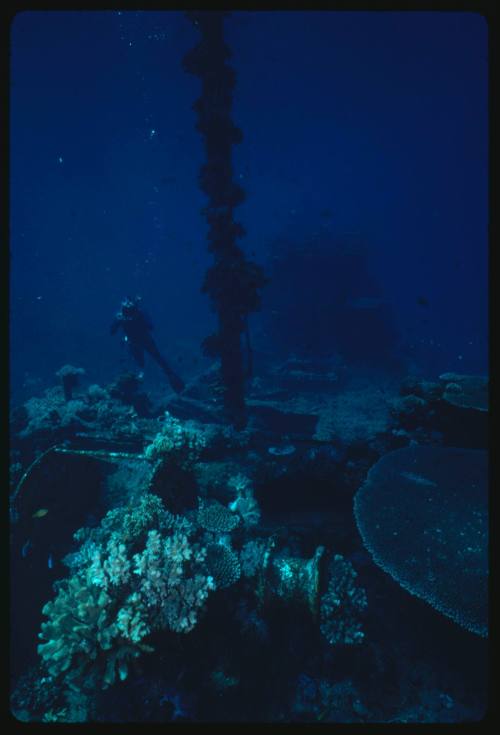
137, 327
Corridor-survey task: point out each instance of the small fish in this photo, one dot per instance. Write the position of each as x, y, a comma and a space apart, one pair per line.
50, 561
26, 548
422, 301
40, 513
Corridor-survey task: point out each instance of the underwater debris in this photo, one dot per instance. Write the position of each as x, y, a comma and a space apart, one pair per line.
465, 391
69, 376
293, 579
456, 407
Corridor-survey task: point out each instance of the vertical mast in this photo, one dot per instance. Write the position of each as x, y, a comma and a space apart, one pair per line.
232, 282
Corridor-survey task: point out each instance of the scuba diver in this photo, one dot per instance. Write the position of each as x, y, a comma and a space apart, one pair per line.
137, 327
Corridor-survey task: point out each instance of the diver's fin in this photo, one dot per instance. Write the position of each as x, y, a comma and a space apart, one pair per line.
177, 383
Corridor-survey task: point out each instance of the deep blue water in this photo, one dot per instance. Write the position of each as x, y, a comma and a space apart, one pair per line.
367, 123
365, 166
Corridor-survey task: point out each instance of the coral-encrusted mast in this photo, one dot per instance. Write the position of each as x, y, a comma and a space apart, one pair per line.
232, 281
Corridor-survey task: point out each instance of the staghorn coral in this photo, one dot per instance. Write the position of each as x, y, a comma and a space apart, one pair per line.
341, 604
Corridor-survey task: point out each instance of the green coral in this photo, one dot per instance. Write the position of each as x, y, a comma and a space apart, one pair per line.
80, 627
115, 598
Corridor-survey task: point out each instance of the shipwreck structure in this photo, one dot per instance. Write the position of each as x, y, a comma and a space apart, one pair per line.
232, 282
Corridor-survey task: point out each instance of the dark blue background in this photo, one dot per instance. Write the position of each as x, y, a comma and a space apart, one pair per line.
381, 118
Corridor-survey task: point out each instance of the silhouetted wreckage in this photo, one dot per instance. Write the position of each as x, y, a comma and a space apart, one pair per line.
232, 282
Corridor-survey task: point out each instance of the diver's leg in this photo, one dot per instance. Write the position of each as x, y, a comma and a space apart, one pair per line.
137, 353
175, 381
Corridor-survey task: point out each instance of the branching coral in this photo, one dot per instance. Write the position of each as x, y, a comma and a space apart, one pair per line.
81, 627
176, 442
341, 604
115, 598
